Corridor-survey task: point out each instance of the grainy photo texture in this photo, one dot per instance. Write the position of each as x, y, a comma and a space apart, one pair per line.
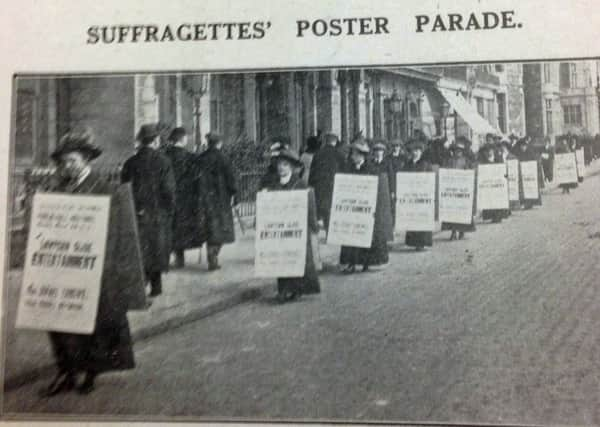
414, 244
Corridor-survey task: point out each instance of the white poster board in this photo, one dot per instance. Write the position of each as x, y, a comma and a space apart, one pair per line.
580, 159
565, 168
64, 263
492, 186
281, 233
415, 201
512, 168
529, 176
456, 195
353, 210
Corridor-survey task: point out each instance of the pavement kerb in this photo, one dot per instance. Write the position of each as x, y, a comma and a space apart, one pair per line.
147, 332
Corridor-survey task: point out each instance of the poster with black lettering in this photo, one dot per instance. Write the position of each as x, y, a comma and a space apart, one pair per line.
353, 210
415, 201
529, 176
456, 195
565, 168
64, 263
512, 168
281, 233
492, 186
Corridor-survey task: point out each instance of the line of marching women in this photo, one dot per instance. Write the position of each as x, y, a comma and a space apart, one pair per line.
385, 159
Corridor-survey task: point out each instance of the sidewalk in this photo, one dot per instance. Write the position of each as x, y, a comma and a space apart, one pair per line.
189, 294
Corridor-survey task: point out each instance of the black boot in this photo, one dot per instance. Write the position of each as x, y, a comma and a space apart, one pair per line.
213, 257
179, 259
63, 382
155, 283
87, 386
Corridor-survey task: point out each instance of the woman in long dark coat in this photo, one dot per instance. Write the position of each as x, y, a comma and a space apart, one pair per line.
417, 163
109, 347
525, 153
221, 195
458, 160
377, 253
188, 217
290, 288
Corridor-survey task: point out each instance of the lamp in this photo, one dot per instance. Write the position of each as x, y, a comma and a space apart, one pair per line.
196, 88
445, 111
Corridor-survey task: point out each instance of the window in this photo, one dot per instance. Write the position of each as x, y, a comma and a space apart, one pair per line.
480, 108
548, 104
547, 74
573, 75
499, 68
549, 129
25, 126
572, 114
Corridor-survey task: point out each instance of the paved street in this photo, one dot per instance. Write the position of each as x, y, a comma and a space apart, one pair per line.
499, 328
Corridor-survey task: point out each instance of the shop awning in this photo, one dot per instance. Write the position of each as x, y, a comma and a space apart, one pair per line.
468, 113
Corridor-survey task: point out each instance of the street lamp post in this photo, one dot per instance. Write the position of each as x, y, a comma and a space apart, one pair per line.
445, 111
395, 109
197, 86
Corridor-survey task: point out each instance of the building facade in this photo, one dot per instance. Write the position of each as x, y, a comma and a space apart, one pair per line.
579, 97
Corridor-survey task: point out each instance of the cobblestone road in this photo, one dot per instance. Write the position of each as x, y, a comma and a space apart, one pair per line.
500, 328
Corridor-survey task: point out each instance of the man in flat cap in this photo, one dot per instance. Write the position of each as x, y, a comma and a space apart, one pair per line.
221, 195
153, 183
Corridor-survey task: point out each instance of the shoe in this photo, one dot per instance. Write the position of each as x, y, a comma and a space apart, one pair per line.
350, 269
154, 294
420, 248
365, 269
63, 382
214, 267
87, 386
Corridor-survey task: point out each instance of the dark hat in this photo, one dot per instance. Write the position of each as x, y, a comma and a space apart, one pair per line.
379, 146
213, 138
289, 155
360, 145
147, 132
177, 133
77, 141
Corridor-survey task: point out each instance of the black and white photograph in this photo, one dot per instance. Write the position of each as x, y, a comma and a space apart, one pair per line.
407, 244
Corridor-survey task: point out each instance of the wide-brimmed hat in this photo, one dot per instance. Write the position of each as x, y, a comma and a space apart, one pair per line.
177, 133
147, 132
360, 145
212, 138
81, 142
379, 146
289, 155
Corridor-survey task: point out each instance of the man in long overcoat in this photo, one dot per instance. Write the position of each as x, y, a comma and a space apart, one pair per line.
326, 162
221, 195
188, 217
153, 183
109, 347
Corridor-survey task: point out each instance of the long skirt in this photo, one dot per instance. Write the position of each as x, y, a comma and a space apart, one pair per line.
496, 215
419, 239
108, 348
307, 284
